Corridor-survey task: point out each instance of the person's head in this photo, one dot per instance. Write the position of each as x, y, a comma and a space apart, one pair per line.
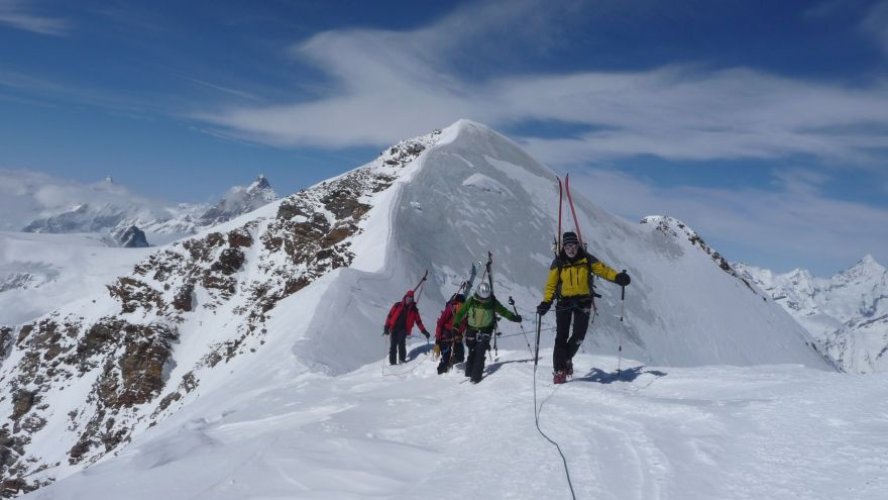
408, 297
483, 291
459, 298
570, 244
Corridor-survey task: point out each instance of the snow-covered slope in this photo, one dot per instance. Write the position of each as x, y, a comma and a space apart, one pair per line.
774, 432
299, 288
847, 314
39, 272
59, 255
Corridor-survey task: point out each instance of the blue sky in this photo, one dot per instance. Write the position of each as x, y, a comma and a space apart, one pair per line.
763, 125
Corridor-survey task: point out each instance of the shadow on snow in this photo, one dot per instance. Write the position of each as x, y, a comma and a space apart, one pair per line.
414, 352
628, 375
496, 365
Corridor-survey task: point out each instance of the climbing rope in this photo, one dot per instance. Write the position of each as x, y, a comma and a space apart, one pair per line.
536, 417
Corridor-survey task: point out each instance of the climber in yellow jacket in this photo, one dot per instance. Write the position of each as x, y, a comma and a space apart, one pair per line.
570, 282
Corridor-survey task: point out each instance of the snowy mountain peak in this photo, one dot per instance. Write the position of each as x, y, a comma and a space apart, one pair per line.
847, 314
261, 185
670, 225
132, 237
301, 287
677, 229
866, 267
238, 201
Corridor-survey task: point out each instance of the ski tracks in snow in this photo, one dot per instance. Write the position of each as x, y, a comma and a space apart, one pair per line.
776, 432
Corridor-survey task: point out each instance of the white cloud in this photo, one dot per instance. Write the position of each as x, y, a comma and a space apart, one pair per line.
386, 85
19, 14
26, 195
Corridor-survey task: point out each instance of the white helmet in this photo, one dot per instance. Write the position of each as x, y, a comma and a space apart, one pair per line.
483, 291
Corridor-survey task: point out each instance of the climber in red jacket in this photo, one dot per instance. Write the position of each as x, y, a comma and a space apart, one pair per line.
399, 325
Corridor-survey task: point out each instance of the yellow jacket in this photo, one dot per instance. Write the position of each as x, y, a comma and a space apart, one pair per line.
573, 277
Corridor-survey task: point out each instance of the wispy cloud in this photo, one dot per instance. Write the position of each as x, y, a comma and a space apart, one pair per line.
22, 15
792, 223
386, 85
875, 24
225, 90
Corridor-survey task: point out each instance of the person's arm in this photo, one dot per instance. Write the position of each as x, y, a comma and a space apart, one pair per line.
509, 315
551, 282
422, 327
608, 273
603, 270
463, 310
389, 320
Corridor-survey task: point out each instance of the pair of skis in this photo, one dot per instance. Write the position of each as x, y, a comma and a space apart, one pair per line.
564, 188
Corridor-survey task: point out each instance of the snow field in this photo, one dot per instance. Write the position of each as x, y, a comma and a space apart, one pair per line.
777, 431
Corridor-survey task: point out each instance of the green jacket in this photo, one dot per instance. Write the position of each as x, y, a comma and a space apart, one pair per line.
481, 314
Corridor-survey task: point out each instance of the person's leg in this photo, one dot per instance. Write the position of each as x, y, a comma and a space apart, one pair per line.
563, 314
581, 317
471, 345
459, 352
446, 353
393, 346
402, 348
479, 358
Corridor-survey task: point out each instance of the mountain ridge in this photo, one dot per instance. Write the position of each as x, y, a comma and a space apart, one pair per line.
306, 281
107, 208
847, 313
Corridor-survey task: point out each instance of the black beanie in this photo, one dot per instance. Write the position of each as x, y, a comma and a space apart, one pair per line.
569, 238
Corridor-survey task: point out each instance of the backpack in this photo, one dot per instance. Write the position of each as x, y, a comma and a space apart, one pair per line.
445, 320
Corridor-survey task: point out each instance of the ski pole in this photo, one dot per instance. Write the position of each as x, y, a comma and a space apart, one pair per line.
622, 327
515, 310
536, 355
385, 351
419, 286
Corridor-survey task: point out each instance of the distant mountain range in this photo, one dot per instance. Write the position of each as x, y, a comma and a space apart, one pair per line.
116, 216
847, 314
59, 237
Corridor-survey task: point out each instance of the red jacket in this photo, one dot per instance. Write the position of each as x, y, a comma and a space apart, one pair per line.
445, 329
412, 316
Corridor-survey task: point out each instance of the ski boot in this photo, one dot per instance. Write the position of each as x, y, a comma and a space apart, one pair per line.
560, 377
569, 370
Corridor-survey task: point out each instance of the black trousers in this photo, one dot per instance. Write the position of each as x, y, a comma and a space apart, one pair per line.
452, 352
478, 342
459, 351
578, 311
398, 346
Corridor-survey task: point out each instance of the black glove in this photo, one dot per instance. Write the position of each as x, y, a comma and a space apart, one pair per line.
385, 332
518, 319
426, 333
622, 279
543, 308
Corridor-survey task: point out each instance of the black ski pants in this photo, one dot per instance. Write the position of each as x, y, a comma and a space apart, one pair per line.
578, 311
478, 343
451, 352
398, 347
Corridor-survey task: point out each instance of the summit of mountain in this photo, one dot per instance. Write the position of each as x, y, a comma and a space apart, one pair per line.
301, 286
